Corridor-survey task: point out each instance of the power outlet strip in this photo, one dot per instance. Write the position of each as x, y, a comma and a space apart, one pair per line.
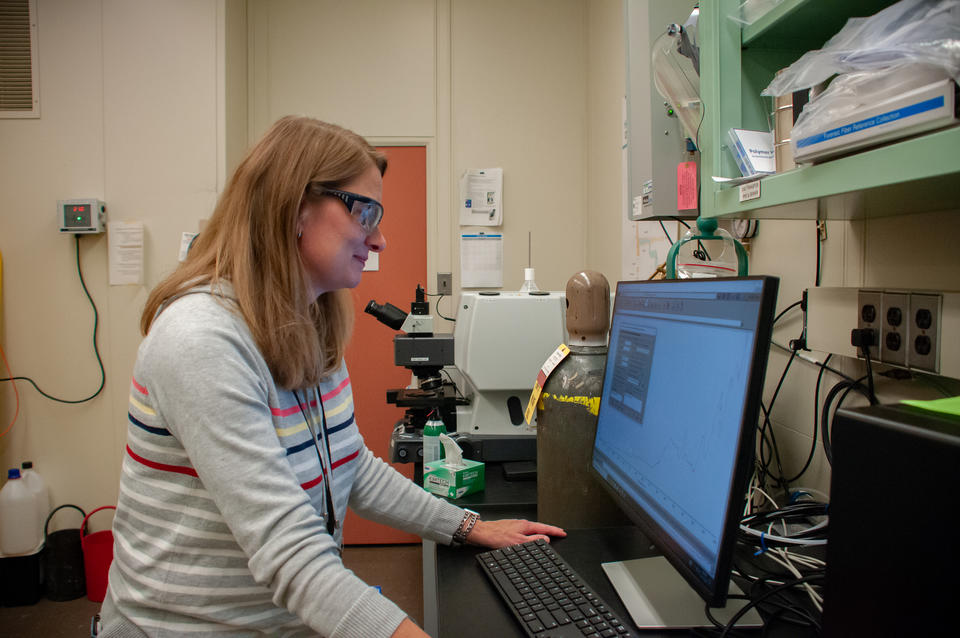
915, 329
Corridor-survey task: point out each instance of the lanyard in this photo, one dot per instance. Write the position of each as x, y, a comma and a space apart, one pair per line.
324, 465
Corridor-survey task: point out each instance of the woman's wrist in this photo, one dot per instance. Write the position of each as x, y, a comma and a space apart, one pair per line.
467, 524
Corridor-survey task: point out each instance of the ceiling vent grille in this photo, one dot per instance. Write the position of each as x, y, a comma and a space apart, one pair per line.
18, 59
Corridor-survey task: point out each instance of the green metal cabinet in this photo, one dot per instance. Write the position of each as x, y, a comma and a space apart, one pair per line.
737, 62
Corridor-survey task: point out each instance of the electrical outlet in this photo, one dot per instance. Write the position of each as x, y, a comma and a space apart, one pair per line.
924, 347
895, 334
868, 316
915, 329
444, 283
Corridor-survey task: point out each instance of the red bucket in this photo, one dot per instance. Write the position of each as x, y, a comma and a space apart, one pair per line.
97, 556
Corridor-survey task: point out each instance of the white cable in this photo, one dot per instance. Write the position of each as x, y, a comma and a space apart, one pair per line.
787, 539
767, 496
784, 560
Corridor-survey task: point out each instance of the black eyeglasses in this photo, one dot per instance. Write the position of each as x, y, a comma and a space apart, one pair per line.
367, 211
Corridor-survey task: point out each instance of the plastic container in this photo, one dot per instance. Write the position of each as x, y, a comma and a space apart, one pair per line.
97, 556
677, 78
708, 251
529, 283
21, 531
64, 575
432, 449
21, 580
38, 486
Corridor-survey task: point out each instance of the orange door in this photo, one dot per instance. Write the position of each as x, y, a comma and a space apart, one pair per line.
402, 266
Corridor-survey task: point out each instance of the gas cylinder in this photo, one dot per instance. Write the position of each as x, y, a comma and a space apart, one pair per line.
568, 495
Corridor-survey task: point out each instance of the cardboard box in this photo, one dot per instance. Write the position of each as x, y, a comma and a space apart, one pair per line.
453, 482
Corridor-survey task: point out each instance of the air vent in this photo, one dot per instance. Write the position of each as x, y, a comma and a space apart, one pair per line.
18, 59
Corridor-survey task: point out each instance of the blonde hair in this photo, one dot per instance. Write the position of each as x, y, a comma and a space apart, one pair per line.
251, 242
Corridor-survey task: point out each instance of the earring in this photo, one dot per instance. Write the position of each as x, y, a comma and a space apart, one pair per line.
299, 234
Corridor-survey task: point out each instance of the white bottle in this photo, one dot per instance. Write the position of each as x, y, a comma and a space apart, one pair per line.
20, 531
39, 489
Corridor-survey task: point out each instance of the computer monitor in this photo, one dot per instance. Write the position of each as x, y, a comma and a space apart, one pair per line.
676, 433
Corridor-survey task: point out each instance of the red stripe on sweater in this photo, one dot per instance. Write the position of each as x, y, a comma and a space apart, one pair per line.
336, 464
346, 459
312, 483
180, 469
140, 388
337, 390
290, 410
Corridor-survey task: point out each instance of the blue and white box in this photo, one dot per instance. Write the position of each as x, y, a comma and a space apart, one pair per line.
923, 109
753, 151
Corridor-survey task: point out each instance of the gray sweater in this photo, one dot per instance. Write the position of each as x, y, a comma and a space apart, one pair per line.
221, 523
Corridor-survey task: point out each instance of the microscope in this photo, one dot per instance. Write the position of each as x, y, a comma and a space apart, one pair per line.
425, 354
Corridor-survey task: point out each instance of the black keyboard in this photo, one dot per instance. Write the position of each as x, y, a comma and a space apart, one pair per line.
547, 597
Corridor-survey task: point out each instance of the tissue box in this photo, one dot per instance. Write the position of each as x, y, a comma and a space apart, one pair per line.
453, 482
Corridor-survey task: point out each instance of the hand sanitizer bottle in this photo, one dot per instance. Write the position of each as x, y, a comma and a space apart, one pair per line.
432, 450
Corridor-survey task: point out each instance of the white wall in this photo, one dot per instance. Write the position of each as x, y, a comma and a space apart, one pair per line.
606, 84
519, 102
129, 115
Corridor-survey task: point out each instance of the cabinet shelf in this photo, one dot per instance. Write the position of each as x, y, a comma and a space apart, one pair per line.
811, 21
915, 175
912, 175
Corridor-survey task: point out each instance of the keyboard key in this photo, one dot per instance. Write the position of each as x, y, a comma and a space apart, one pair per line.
547, 619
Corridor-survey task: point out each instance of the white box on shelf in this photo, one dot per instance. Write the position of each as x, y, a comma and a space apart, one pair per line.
753, 151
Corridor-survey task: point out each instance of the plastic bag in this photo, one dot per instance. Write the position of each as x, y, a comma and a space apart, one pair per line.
917, 31
852, 91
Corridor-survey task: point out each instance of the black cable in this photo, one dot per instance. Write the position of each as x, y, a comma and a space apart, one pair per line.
825, 423
437, 306
455, 388
767, 424
784, 311
787, 604
754, 602
669, 239
679, 219
805, 618
96, 350
716, 623
816, 278
768, 437
866, 355
816, 429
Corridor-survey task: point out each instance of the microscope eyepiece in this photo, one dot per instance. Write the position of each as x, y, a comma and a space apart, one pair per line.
387, 314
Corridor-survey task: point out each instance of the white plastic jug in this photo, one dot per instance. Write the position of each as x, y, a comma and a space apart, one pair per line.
38, 487
20, 530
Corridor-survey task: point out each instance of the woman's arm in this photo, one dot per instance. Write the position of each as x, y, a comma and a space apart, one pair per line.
409, 629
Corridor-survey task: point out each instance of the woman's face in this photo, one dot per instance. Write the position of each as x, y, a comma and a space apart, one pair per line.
333, 245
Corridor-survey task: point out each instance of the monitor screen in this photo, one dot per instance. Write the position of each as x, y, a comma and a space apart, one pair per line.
678, 412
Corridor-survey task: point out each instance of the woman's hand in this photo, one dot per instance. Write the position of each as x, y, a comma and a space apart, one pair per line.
510, 531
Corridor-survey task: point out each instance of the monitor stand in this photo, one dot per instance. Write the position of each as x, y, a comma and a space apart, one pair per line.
658, 597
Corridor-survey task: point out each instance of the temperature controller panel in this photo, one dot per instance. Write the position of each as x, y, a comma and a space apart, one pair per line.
81, 215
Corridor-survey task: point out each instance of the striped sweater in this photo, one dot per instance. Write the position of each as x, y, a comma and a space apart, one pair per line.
221, 518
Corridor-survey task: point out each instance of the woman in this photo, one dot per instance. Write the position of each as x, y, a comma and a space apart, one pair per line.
242, 451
